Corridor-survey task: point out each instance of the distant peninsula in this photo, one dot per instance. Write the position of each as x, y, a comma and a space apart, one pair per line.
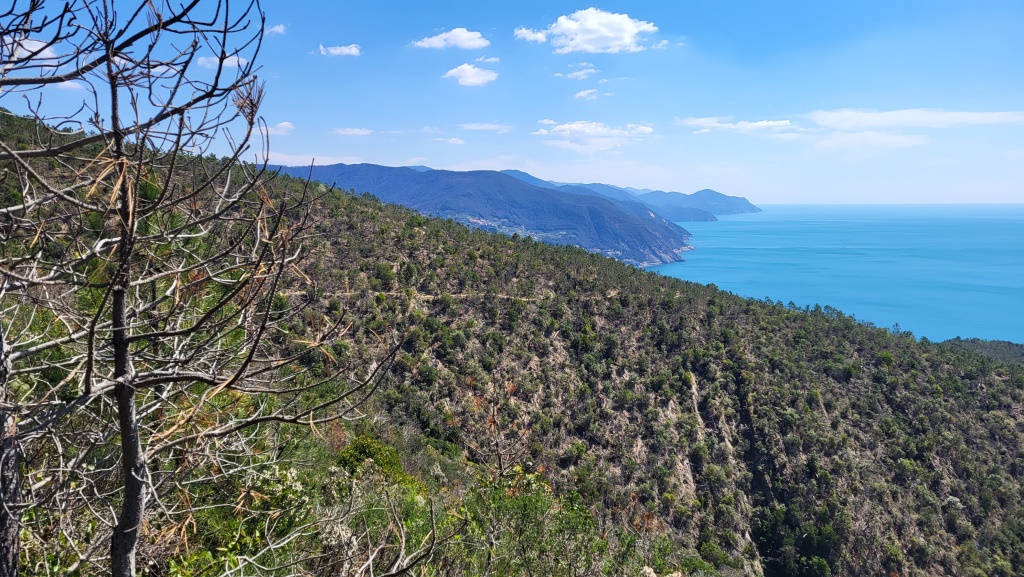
637, 227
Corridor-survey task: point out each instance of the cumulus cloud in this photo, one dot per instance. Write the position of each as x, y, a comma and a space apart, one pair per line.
229, 62
588, 136
455, 38
853, 120
485, 126
593, 31
469, 75
280, 128
24, 47
350, 50
589, 94
450, 140
352, 131
708, 124
276, 29
582, 74
530, 35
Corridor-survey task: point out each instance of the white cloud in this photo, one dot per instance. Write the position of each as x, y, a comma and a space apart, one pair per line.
352, 131
708, 124
431, 130
489, 59
22, 48
350, 50
582, 74
229, 62
484, 126
546, 121
276, 29
589, 128
857, 120
589, 94
70, 85
870, 139
593, 31
281, 128
469, 75
588, 136
450, 140
455, 38
530, 35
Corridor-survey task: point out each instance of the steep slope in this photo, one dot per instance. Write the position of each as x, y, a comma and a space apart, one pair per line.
759, 437
502, 203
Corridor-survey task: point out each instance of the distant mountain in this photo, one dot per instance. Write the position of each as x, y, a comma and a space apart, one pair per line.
702, 205
420, 168
529, 179
628, 231
607, 190
706, 200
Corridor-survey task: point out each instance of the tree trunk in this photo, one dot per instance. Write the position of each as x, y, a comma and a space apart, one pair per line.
124, 541
10, 495
126, 533
10, 479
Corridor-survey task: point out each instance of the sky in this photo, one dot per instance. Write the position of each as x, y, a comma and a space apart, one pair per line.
789, 101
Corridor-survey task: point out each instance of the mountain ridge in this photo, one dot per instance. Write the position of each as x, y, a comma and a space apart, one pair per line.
503, 203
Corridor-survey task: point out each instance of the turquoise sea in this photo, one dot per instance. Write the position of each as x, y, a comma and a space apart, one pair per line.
939, 271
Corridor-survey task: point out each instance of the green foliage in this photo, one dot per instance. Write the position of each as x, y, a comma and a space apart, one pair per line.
365, 450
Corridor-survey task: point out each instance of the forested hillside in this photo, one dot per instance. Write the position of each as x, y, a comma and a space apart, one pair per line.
545, 410
743, 433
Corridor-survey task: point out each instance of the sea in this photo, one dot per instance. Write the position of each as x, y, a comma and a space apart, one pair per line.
938, 271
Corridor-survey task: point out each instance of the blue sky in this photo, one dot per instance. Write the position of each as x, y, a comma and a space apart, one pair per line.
895, 101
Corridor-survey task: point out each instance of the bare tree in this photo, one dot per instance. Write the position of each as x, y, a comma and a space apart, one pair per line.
141, 276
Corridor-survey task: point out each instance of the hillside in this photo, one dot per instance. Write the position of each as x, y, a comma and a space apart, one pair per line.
1000, 351
543, 410
738, 433
499, 202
